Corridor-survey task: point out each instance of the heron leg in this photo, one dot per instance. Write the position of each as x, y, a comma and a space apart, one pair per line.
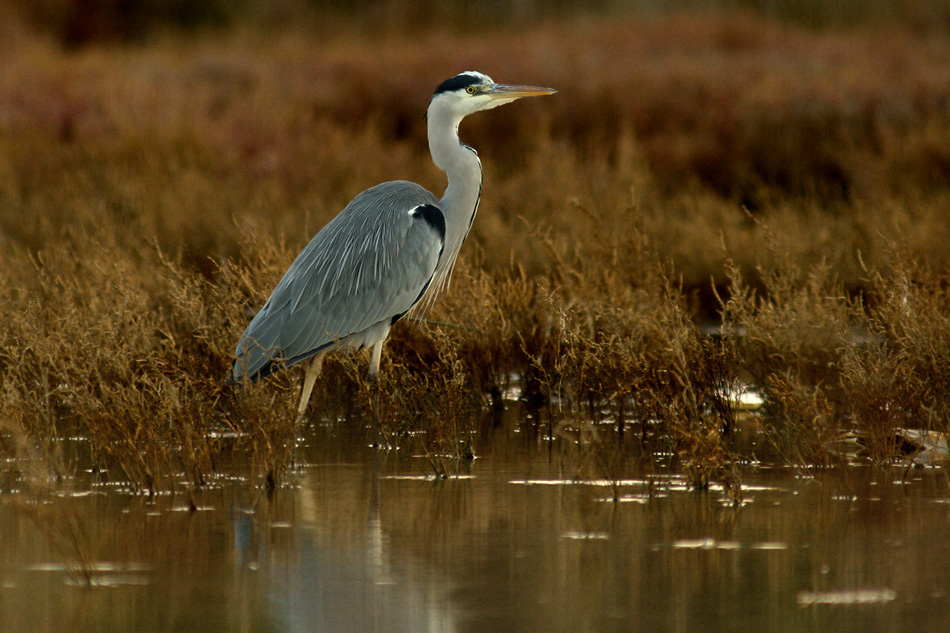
374, 387
374, 362
312, 372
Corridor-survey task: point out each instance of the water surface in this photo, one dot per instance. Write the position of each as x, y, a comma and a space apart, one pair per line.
527, 537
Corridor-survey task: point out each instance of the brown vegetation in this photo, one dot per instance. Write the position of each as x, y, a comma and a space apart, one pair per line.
790, 186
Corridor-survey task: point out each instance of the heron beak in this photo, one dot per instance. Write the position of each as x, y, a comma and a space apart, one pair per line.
503, 92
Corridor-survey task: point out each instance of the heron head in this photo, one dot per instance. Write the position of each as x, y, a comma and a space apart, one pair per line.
473, 91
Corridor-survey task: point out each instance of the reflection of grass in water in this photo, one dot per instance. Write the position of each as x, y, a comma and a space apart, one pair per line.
153, 197
66, 533
38, 474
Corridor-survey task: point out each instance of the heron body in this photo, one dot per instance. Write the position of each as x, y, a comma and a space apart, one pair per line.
390, 251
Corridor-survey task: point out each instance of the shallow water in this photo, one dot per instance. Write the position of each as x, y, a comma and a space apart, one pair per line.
367, 540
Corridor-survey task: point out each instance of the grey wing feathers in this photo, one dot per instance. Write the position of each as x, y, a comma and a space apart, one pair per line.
371, 263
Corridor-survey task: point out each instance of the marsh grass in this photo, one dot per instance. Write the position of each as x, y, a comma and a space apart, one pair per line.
152, 196
899, 371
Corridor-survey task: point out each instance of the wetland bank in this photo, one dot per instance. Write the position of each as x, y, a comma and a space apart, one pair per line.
712, 204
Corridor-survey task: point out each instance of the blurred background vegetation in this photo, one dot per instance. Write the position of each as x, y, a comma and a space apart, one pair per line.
83, 22
710, 113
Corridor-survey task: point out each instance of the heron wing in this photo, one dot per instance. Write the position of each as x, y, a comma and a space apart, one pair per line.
369, 264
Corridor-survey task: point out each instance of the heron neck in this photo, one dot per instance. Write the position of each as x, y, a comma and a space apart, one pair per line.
464, 171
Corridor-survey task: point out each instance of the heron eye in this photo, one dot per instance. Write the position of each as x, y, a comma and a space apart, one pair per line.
470, 90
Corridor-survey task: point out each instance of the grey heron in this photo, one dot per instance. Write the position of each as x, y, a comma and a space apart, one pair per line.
388, 253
